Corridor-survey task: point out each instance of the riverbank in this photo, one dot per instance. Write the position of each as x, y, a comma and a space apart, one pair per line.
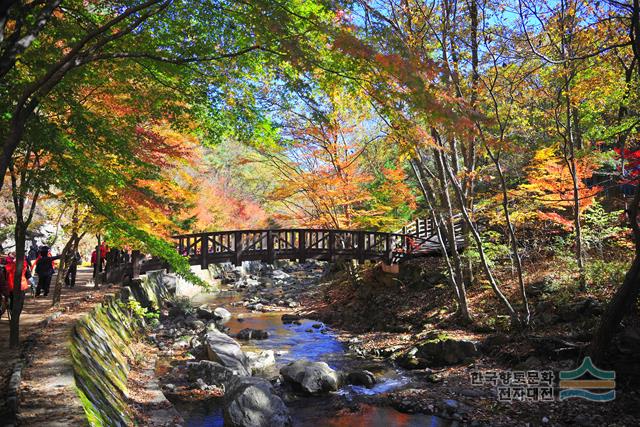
394, 316
392, 323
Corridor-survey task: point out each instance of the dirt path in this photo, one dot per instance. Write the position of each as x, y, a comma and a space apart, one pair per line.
47, 391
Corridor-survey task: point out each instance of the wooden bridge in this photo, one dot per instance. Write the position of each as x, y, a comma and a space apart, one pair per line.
418, 239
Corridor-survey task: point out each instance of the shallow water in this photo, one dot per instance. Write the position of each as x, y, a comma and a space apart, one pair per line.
292, 342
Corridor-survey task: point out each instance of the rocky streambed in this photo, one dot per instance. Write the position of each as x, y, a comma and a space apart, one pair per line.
242, 357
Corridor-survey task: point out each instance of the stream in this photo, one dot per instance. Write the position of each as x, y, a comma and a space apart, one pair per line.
312, 341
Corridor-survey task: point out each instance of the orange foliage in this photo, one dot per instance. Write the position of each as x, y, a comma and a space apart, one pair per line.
549, 189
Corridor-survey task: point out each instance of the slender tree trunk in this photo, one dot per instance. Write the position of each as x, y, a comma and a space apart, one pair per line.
460, 292
449, 226
68, 253
18, 294
575, 182
63, 268
512, 238
483, 258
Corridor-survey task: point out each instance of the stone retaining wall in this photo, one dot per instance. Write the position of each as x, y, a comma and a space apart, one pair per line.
100, 348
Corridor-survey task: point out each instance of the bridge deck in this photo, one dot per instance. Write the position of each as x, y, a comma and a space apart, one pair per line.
418, 239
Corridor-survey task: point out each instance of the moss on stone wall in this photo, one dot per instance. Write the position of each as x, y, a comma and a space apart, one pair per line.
100, 348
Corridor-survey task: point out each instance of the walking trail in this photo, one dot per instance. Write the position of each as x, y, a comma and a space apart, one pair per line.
47, 391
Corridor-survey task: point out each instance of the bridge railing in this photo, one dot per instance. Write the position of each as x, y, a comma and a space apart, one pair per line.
301, 244
267, 245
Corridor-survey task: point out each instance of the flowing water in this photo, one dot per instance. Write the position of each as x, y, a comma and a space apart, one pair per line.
292, 342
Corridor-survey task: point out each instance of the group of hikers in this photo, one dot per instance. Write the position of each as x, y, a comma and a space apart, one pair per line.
38, 269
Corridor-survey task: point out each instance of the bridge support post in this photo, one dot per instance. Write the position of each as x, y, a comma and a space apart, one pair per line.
332, 244
302, 246
389, 250
360, 247
204, 252
237, 242
271, 256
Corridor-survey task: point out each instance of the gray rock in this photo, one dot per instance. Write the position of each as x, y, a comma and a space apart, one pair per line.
251, 402
212, 373
196, 325
222, 314
363, 378
446, 351
252, 334
195, 342
279, 275
212, 326
225, 350
261, 361
310, 377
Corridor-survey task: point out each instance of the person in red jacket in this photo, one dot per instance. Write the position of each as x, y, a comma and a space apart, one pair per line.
11, 268
94, 259
103, 251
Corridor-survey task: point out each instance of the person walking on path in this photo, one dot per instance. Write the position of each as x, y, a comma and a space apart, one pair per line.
11, 267
70, 278
45, 270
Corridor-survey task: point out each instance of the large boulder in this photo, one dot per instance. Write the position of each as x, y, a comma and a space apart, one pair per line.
310, 377
212, 373
261, 362
446, 351
226, 351
252, 334
252, 402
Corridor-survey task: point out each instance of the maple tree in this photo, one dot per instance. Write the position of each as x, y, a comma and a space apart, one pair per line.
324, 181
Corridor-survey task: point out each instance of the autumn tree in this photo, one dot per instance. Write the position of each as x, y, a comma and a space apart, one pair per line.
327, 142
64, 45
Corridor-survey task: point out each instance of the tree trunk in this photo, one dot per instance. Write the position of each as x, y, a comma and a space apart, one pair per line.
449, 226
625, 296
618, 307
65, 262
460, 292
484, 262
18, 294
512, 238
